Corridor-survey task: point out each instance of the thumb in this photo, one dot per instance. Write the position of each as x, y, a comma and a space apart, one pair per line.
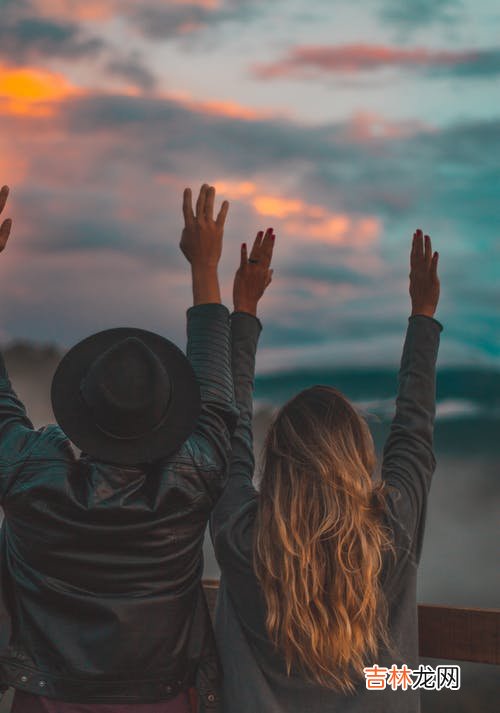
269, 277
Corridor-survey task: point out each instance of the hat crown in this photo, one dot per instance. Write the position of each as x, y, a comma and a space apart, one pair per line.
127, 390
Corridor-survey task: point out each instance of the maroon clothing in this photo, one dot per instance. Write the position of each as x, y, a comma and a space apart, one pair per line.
29, 703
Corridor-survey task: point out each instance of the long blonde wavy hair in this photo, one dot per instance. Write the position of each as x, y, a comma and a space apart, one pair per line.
319, 539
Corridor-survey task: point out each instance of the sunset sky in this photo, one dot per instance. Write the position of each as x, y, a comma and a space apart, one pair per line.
344, 126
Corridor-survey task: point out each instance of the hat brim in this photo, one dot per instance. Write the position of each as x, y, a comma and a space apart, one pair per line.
74, 418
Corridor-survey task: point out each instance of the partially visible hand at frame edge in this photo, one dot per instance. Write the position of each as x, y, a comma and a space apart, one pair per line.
424, 281
254, 274
201, 243
7, 224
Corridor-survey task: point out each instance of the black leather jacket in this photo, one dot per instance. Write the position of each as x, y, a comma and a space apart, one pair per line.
101, 565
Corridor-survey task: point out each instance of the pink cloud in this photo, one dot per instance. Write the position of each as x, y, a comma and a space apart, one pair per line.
305, 60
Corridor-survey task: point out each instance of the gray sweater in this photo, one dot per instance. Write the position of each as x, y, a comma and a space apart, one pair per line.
255, 678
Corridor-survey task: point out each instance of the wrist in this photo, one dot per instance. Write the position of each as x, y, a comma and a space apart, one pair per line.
425, 311
248, 307
205, 284
203, 268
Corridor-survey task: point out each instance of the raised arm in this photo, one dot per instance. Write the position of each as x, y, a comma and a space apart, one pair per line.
408, 459
208, 333
17, 436
251, 280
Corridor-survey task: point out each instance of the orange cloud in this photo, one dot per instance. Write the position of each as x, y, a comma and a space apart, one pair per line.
234, 190
278, 207
303, 219
32, 91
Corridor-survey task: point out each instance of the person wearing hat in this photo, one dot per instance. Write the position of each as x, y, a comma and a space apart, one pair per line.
102, 608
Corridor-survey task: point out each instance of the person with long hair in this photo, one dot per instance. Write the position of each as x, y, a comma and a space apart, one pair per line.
319, 565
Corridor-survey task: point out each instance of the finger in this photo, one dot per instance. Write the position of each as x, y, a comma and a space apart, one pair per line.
187, 207
255, 252
427, 249
209, 203
269, 278
244, 255
221, 218
419, 245
200, 203
4, 192
413, 252
267, 247
434, 265
5, 232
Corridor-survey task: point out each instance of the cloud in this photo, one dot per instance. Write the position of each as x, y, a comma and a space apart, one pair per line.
103, 176
216, 107
157, 21
420, 13
183, 17
133, 70
311, 61
300, 218
32, 91
26, 40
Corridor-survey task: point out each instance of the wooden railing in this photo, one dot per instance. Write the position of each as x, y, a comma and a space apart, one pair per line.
444, 632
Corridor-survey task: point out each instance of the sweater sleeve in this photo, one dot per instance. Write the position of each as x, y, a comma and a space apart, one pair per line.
408, 457
245, 332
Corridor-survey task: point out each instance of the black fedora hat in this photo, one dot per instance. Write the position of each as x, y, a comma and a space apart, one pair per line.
126, 396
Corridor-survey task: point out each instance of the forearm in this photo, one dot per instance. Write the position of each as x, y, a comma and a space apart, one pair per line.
205, 281
208, 350
245, 332
408, 453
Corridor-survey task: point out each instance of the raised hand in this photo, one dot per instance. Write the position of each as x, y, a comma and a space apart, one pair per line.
7, 224
424, 281
254, 273
201, 240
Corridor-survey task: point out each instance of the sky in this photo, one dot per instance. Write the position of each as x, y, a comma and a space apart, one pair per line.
344, 126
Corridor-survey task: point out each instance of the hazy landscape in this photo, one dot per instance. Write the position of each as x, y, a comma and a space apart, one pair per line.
460, 559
